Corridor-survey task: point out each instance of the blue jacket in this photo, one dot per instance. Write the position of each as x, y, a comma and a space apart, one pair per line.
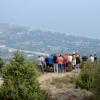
50, 60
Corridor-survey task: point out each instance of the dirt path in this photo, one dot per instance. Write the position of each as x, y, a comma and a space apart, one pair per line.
47, 76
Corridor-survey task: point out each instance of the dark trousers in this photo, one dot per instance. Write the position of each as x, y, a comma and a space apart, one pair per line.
59, 68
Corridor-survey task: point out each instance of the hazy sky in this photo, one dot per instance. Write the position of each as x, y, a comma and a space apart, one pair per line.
77, 17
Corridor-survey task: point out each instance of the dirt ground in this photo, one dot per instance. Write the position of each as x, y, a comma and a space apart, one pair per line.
47, 76
66, 91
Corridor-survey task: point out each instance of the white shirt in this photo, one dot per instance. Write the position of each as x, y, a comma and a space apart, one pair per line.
70, 58
92, 59
39, 62
42, 59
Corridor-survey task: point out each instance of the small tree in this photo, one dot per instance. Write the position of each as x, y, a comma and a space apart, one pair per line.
89, 78
20, 81
96, 83
2, 63
86, 78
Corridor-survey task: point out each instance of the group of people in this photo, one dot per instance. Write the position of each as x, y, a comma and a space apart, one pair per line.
62, 63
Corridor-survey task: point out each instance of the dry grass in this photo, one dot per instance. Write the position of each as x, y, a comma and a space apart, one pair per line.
62, 82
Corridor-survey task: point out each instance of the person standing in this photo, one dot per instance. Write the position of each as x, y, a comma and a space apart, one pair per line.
67, 59
51, 63
64, 64
84, 59
91, 58
95, 57
40, 66
46, 63
77, 64
73, 60
70, 62
60, 62
55, 64
42, 59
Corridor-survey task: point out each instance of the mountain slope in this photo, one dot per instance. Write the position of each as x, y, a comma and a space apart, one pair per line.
26, 38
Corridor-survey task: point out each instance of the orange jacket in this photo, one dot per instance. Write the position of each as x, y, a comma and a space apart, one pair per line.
67, 58
60, 60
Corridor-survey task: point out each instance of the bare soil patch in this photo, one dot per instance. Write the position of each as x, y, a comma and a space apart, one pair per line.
59, 90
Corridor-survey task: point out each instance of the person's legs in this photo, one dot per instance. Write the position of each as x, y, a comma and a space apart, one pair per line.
63, 66
54, 66
39, 68
78, 68
47, 65
59, 68
74, 64
69, 65
42, 69
66, 67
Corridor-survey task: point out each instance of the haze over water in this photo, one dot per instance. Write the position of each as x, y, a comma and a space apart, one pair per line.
77, 17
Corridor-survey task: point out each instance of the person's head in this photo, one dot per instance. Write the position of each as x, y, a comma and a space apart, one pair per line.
66, 54
76, 52
47, 56
54, 54
59, 55
94, 54
84, 54
73, 53
90, 55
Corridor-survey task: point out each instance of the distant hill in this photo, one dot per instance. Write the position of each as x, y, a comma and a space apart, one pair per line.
25, 38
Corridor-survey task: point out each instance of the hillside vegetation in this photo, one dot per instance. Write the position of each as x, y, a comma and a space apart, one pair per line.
20, 82
26, 38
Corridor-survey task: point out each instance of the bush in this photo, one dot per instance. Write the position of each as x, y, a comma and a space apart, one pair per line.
89, 78
2, 63
96, 83
20, 80
86, 78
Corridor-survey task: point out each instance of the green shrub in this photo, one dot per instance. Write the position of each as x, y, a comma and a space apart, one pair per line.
86, 78
20, 80
89, 78
96, 83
